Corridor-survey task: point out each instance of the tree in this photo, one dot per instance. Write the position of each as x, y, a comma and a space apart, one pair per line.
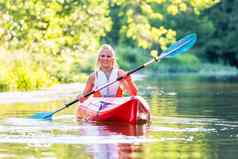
60, 35
222, 45
145, 21
53, 26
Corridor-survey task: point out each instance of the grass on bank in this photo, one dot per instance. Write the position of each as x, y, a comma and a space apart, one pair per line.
23, 71
18, 72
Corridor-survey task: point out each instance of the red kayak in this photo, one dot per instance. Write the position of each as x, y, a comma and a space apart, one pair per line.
131, 110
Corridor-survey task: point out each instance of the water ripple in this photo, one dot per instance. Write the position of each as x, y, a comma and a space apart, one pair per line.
45, 139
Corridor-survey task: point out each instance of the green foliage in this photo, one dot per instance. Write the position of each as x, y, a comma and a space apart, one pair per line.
217, 31
143, 21
60, 38
23, 77
222, 45
53, 27
70, 68
21, 73
129, 57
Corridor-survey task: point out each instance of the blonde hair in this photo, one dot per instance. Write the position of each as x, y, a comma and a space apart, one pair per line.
109, 47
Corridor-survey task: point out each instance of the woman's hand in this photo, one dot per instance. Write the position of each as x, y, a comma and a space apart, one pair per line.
124, 75
128, 83
81, 98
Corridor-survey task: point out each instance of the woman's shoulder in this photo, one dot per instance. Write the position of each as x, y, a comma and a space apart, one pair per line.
92, 76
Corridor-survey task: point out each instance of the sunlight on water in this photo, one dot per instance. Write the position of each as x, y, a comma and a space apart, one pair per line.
23, 130
167, 129
191, 118
47, 139
31, 131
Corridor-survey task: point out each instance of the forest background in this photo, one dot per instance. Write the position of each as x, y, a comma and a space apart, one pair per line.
45, 42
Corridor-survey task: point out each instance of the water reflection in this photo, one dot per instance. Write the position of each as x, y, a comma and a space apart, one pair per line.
192, 117
126, 140
62, 137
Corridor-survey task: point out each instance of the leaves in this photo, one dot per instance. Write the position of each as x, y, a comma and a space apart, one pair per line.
62, 34
53, 24
72, 24
139, 16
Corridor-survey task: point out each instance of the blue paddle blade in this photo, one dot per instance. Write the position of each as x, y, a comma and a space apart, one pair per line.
42, 116
180, 46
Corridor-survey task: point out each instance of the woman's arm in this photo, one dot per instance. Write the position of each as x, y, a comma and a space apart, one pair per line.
88, 88
129, 85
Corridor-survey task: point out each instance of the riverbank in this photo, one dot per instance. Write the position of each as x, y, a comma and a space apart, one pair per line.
71, 90
57, 92
54, 93
204, 69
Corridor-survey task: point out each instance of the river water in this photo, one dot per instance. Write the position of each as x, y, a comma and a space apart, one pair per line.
192, 117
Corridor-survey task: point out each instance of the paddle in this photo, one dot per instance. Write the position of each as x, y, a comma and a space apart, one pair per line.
177, 48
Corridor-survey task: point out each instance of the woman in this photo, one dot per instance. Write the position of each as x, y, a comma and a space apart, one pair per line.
107, 71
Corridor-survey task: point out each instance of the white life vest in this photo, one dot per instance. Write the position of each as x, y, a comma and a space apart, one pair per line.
101, 79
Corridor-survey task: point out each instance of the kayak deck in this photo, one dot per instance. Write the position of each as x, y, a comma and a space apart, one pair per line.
132, 110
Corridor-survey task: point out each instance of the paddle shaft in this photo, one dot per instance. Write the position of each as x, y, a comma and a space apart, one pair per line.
106, 85
179, 47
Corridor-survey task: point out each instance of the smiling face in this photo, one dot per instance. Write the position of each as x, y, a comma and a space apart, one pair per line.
106, 58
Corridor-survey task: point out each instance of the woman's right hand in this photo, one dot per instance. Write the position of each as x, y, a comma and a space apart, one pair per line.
81, 98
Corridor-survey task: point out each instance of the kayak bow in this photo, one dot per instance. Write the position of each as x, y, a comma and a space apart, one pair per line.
131, 110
